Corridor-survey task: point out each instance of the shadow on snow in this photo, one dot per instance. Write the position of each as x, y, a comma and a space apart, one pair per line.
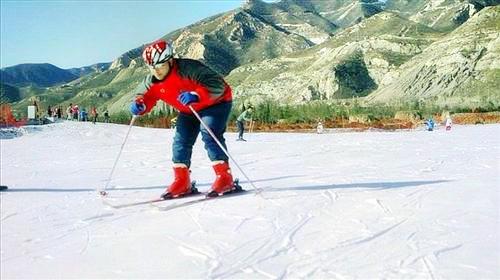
375, 185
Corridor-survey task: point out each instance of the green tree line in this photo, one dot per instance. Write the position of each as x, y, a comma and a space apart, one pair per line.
272, 112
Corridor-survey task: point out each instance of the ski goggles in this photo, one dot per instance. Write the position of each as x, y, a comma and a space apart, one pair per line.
160, 63
157, 65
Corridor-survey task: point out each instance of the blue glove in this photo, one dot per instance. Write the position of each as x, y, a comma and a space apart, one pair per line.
187, 98
137, 107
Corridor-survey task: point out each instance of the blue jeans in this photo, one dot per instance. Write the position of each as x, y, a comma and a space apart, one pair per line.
188, 127
241, 128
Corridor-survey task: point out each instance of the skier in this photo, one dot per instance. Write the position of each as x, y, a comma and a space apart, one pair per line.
69, 112
240, 122
94, 114
76, 112
430, 124
59, 112
182, 83
106, 116
448, 122
319, 128
83, 115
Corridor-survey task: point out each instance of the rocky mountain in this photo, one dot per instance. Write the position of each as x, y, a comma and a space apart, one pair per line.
443, 15
388, 58
353, 63
38, 74
256, 31
345, 13
462, 67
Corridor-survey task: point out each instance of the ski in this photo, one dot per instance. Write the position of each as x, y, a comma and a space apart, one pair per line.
194, 192
125, 205
146, 202
235, 192
206, 196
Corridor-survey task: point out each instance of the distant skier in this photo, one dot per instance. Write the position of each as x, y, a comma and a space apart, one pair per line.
430, 124
182, 83
320, 129
83, 115
240, 122
448, 122
94, 114
106, 116
69, 112
76, 112
59, 112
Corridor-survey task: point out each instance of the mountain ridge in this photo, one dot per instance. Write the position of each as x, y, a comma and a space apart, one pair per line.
46, 74
39, 74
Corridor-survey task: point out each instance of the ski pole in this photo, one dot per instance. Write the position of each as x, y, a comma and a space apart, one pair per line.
103, 191
223, 149
251, 125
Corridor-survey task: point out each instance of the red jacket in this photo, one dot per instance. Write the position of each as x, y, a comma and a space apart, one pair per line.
185, 75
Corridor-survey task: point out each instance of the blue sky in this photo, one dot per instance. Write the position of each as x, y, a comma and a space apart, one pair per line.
79, 33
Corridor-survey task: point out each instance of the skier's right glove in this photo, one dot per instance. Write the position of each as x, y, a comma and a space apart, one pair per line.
138, 107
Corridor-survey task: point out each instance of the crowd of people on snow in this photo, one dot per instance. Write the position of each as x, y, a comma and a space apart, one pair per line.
55, 112
75, 113
72, 113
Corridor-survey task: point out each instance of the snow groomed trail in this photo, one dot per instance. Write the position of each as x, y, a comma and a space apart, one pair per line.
404, 204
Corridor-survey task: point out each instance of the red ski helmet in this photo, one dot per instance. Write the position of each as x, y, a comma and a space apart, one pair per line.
157, 52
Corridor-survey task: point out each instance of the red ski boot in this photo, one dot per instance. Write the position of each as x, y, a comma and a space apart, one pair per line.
223, 181
181, 185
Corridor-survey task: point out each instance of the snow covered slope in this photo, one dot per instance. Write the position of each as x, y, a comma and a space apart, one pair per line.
407, 204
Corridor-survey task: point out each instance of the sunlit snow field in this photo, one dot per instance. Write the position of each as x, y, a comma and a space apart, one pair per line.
404, 204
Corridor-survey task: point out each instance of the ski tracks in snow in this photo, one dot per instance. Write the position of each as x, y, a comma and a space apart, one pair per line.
279, 242
330, 195
249, 255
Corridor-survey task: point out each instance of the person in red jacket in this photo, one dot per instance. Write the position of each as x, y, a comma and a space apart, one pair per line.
182, 83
